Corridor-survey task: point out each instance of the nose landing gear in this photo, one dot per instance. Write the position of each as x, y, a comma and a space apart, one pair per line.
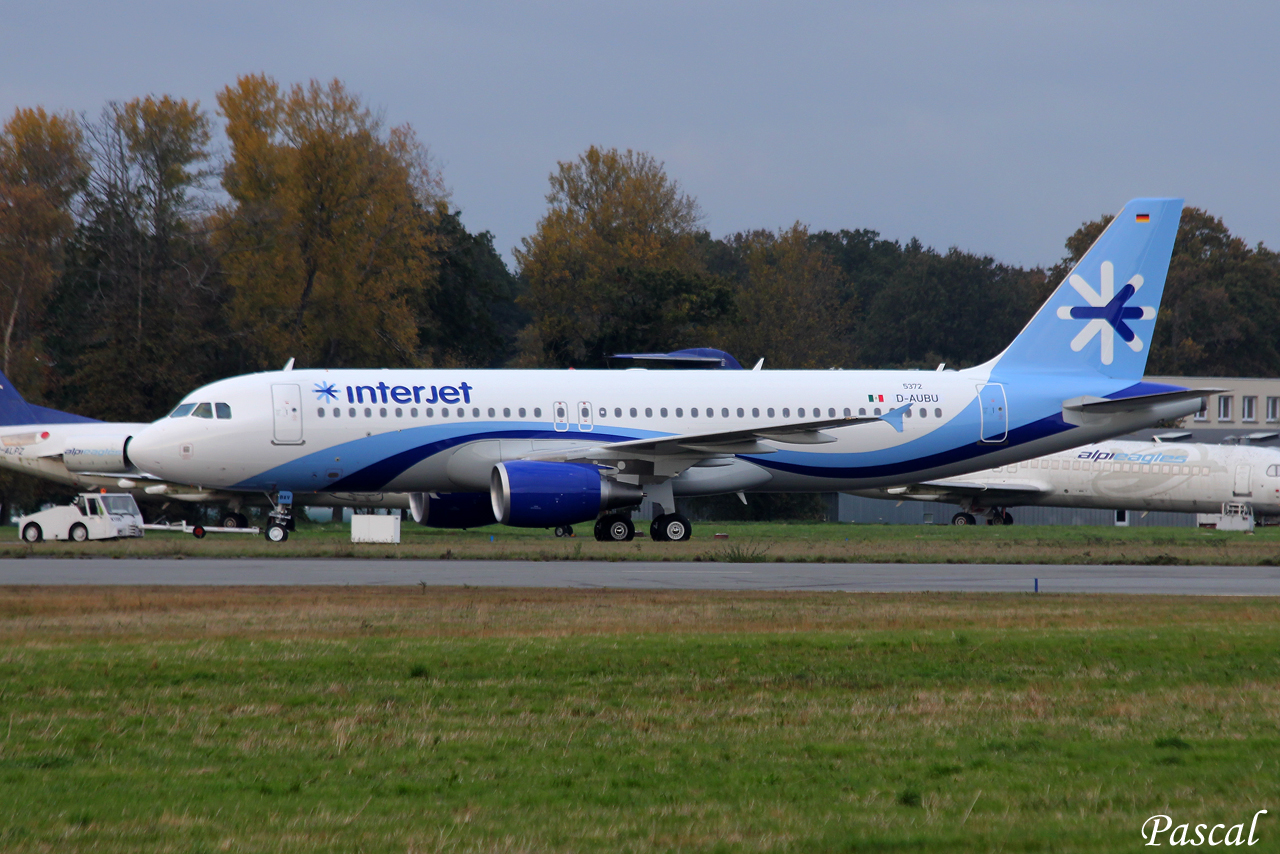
280, 519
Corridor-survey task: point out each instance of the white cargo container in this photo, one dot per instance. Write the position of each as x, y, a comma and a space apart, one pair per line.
375, 529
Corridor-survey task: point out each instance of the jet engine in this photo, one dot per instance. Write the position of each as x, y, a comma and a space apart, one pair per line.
97, 454
536, 494
452, 510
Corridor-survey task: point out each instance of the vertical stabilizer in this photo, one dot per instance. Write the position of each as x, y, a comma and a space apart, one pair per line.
1101, 318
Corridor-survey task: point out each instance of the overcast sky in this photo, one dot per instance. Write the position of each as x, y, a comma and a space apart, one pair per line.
997, 127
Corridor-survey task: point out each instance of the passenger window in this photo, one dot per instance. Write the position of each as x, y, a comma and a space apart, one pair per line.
831, 412
320, 412
924, 413
877, 410
223, 410
741, 413
693, 413
769, 411
633, 412
617, 412
662, 412
429, 412
462, 413
648, 412
444, 412
492, 412
679, 412
521, 412
399, 412
847, 413
537, 412
475, 412
786, 413
586, 413
799, 412
203, 410
337, 413
755, 413
368, 413
351, 412
183, 410
907, 413
559, 412
382, 411
862, 410
937, 413
413, 412
506, 412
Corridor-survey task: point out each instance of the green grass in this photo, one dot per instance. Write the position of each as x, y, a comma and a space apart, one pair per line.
747, 541
396, 720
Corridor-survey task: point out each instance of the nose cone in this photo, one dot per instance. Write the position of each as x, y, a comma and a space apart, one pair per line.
146, 451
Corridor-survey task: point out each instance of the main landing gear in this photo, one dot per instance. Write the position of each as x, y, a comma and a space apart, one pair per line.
615, 528
995, 516
670, 527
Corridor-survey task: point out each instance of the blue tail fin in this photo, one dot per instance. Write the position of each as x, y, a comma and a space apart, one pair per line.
14, 410
1101, 318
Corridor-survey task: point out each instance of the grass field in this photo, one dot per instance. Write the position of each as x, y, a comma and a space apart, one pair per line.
396, 719
747, 542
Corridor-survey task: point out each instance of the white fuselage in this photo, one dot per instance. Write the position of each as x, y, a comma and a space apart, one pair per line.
444, 430
1122, 475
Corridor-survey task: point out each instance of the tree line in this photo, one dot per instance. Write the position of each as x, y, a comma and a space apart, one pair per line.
140, 258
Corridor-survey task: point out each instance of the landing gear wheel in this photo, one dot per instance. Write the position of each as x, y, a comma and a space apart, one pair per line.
32, 533
655, 530
1008, 518
78, 532
963, 519
564, 530
671, 527
233, 520
614, 529
277, 533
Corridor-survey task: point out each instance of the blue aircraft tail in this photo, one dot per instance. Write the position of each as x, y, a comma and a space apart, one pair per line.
1101, 318
14, 410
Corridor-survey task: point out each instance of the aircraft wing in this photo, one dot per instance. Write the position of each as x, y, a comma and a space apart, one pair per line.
696, 446
941, 490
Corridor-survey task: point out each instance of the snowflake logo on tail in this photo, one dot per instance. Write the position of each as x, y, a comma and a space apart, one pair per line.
325, 392
1106, 312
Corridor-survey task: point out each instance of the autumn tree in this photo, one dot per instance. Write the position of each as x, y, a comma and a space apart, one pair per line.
619, 238
43, 168
1221, 300
470, 318
136, 320
790, 305
326, 239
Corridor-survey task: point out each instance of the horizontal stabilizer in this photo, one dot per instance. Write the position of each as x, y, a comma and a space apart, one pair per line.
1091, 404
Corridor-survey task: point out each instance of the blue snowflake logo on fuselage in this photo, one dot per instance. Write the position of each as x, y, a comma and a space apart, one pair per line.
325, 392
1106, 312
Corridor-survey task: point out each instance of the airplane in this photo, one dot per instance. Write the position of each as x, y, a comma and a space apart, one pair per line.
554, 448
92, 455
1119, 475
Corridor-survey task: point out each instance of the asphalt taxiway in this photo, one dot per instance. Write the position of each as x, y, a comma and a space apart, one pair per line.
852, 577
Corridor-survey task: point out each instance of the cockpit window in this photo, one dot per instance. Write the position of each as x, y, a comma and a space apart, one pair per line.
203, 410
183, 410
223, 410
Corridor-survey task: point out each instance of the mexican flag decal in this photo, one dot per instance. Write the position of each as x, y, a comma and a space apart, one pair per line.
875, 398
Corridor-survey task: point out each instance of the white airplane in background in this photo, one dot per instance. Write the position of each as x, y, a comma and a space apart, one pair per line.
553, 448
91, 455
1181, 478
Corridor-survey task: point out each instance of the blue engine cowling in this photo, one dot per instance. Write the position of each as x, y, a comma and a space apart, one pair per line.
535, 494
452, 510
